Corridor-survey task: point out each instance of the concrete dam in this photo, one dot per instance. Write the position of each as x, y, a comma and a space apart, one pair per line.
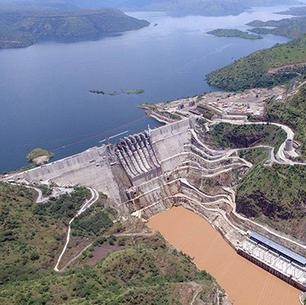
142, 170
157, 169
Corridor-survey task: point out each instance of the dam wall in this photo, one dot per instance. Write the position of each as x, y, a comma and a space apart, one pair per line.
92, 168
115, 169
169, 142
137, 157
149, 172
139, 171
156, 195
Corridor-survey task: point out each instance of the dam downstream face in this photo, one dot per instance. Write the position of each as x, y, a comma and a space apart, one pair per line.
244, 282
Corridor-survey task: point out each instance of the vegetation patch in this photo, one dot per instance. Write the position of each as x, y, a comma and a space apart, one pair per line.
276, 195
39, 156
255, 155
138, 274
206, 112
293, 114
243, 136
290, 27
64, 207
114, 93
234, 33
22, 28
136, 270
46, 190
29, 241
92, 222
32, 234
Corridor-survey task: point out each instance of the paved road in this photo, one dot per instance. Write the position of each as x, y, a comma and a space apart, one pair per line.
280, 156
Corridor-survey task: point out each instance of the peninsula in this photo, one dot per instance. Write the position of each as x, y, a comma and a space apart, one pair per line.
23, 27
289, 27
234, 33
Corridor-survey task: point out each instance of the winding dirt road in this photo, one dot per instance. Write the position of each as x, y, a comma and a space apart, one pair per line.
88, 203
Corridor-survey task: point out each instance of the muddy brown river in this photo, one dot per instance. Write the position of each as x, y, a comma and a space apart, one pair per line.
244, 282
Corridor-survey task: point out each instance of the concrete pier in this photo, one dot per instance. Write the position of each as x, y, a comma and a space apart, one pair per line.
276, 262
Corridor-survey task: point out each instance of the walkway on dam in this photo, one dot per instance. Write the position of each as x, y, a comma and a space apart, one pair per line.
244, 282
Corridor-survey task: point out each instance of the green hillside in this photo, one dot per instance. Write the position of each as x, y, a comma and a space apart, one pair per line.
138, 270
293, 114
242, 136
275, 195
234, 33
261, 192
140, 274
32, 235
252, 71
290, 27
22, 28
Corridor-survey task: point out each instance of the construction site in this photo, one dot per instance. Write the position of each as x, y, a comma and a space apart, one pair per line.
225, 105
150, 172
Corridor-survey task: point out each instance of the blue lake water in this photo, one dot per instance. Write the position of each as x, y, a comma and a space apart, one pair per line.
44, 95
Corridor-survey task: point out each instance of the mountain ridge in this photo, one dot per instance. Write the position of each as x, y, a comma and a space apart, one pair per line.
23, 28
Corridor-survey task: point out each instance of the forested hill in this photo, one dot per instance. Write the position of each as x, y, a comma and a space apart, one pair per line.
264, 68
22, 28
114, 270
289, 27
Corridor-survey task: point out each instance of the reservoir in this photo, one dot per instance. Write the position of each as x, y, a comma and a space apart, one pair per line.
44, 89
244, 282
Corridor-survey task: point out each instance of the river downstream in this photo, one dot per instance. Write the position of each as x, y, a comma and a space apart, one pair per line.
244, 282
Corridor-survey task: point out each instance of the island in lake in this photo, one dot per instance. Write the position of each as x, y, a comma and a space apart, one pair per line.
39, 156
234, 33
114, 93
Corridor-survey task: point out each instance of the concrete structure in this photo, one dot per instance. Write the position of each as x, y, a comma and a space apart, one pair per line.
289, 145
138, 166
172, 165
276, 259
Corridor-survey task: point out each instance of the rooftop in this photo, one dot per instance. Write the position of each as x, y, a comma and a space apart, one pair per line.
277, 247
